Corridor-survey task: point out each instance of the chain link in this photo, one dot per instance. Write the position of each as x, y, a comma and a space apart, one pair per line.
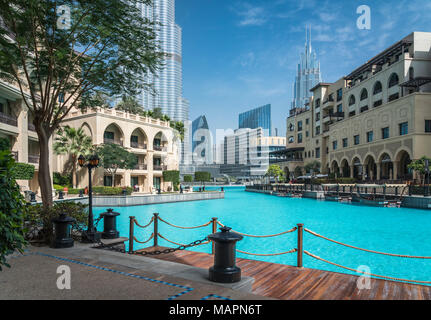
101, 245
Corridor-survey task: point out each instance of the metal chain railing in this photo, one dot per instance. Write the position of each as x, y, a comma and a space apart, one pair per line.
367, 250
267, 236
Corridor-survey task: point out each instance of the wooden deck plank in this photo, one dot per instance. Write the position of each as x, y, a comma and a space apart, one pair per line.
291, 283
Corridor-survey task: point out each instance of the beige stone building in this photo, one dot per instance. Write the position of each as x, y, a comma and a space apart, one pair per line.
153, 141
16, 126
372, 123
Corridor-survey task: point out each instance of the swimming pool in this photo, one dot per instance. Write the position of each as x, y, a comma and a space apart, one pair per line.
393, 230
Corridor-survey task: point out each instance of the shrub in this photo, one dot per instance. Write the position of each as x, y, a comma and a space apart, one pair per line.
172, 176
12, 210
62, 180
23, 171
38, 219
111, 191
202, 176
188, 178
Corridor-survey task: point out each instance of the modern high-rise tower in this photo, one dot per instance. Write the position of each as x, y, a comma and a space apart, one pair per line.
308, 74
256, 118
168, 81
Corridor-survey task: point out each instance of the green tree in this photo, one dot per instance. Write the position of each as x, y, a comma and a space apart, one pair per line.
73, 142
130, 104
188, 178
274, 171
114, 157
202, 176
60, 63
312, 166
12, 210
298, 171
172, 176
179, 126
420, 167
157, 113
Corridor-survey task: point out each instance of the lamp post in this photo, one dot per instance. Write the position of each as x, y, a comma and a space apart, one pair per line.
91, 235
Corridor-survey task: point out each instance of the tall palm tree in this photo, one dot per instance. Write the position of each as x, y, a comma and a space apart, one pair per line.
74, 142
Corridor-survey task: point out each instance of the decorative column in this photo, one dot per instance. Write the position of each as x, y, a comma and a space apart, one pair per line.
379, 170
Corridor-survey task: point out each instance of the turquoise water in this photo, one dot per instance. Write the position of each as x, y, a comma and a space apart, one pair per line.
392, 230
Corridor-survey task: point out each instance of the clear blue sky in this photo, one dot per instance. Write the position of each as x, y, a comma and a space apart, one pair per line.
243, 54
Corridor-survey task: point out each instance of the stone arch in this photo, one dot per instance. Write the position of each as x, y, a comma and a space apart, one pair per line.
357, 167
394, 79
335, 168
160, 141
113, 134
345, 168
352, 100
402, 159
138, 138
370, 167
378, 88
364, 94
385, 161
87, 129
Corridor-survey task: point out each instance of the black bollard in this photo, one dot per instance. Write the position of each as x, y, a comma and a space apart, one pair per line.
159, 191
32, 197
224, 269
62, 231
60, 195
110, 224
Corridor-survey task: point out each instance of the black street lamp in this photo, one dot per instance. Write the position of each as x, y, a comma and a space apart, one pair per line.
91, 235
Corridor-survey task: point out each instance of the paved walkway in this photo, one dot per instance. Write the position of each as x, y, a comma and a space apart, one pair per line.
101, 274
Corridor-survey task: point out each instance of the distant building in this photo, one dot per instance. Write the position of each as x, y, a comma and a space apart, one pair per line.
246, 153
201, 141
308, 75
256, 118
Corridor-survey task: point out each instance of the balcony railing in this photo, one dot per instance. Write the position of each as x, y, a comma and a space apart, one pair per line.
137, 145
32, 158
159, 168
8, 119
158, 148
112, 141
141, 167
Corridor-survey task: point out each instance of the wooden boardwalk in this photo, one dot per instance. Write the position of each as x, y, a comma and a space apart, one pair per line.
291, 283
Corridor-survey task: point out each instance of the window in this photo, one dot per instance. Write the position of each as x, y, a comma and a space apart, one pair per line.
300, 138
378, 103
307, 121
318, 116
356, 140
318, 130
393, 97
352, 114
299, 125
317, 153
291, 127
339, 95
108, 135
107, 181
404, 128
393, 80
334, 145
317, 103
307, 134
345, 143
378, 87
352, 100
340, 108
364, 108
364, 94
370, 136
428, 126
385, 133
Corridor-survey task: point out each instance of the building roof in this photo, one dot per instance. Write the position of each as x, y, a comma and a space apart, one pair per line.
320, 84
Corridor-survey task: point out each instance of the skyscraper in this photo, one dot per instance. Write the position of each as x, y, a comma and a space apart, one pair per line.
256, 118
308, 74
168, 81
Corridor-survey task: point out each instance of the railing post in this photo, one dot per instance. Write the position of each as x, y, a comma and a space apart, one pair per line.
131, 233
300, 245
214, 226
156, 229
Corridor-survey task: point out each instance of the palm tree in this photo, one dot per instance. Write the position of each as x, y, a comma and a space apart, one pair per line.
74, 142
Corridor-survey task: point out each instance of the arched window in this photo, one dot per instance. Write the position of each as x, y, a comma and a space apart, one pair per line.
364, 94
378, 87
352, 100
393, 80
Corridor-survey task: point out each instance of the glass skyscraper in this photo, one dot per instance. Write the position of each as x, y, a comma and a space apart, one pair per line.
256, 118
168, 82
308, 74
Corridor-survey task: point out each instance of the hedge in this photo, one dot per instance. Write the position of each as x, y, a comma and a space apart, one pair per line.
100, 190
23, 171
202, 176
188, 178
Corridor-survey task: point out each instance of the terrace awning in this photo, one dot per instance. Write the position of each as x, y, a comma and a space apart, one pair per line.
416, 82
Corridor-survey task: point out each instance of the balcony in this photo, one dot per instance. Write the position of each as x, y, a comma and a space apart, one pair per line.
160, 148
160, 168
8, 119
33, 158
137, 145
141, 166
112, 141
